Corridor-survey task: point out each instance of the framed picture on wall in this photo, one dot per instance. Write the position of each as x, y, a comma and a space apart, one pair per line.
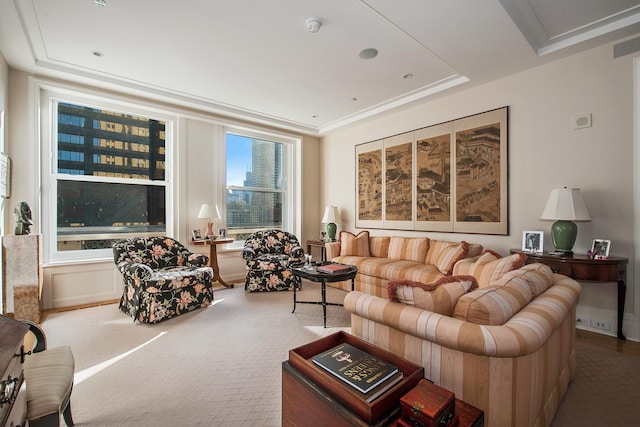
532, 241
448, 177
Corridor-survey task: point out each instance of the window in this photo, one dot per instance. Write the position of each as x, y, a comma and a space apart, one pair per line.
108, 181
258, 196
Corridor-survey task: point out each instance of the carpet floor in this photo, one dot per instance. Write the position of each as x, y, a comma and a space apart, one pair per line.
221, 366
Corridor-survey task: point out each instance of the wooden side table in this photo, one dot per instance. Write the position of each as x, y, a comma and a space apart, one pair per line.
317, 244
213, 257
581, 267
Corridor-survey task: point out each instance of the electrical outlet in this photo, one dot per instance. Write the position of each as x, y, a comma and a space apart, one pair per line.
601, 324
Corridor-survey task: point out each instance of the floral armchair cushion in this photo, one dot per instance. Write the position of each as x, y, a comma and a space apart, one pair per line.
268, 256
162, 278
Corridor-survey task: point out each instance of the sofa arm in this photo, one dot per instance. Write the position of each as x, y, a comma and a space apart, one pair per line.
296, 255
248, 253
523, 334
197, 260
133, 270
332, 250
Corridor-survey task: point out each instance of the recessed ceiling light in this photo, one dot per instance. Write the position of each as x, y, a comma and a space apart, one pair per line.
354, 99
407, 76
368, 53
98, 54
315, 116
102, 3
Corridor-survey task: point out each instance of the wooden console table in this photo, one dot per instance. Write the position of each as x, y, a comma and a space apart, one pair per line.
581, 267
213, 257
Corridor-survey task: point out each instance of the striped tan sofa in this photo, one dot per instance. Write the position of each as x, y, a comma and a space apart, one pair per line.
383, 258
505, 344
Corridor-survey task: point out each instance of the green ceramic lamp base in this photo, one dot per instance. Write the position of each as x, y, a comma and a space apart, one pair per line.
331, 230
564, 235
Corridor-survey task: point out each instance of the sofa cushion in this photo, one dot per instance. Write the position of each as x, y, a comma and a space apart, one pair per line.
354, 245
392, 269
444, 255
379, 246
408, 248
492, 266
539, 277
438, 297
495, 304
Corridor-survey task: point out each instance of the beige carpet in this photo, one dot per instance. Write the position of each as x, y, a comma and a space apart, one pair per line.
221, 366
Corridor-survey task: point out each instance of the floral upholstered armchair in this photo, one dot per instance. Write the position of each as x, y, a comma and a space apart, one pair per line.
162, 278
269, 256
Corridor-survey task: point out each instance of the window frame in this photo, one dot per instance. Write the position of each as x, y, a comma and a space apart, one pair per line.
291, 173
50, 96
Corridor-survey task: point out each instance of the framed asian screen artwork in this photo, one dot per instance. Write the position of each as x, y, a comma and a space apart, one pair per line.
449, 177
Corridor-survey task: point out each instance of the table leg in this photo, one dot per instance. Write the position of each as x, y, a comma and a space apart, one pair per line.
213, 261
622, 292
294, 300
324, 302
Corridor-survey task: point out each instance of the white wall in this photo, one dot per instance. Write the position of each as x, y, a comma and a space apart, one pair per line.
544, 153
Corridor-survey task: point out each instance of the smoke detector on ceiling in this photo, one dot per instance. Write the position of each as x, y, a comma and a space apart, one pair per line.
313, 25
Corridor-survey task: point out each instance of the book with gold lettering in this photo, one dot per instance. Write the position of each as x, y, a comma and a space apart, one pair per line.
357, 368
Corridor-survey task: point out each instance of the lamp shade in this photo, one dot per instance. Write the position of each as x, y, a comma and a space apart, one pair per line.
209, 211
331, 214
565, 204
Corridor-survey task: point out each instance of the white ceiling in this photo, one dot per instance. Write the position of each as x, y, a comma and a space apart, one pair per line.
256, 59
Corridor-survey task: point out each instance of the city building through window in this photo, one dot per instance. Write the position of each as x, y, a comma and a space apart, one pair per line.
258, 196
109, 177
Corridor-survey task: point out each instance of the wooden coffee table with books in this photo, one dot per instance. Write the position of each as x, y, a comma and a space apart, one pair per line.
314, 273
314, 397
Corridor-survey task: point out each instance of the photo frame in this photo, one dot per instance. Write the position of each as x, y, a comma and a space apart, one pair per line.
5, 176
533, 241
447, 177
196, 235
600, 248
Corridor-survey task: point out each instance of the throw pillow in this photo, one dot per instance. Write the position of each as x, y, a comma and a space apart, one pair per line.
490, 266
495, 304
438, 297
379, 246
539, 277
354, 245
408, 248
444, 255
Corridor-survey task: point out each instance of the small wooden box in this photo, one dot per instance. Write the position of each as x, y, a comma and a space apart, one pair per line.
427, 405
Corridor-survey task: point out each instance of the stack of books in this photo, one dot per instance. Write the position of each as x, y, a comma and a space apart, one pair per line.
334, 268
368, 374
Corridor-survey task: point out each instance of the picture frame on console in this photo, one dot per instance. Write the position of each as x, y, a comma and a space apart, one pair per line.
533, 241
196, 234
600, 249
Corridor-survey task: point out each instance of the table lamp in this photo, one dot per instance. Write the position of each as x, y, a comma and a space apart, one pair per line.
566, 207
331, 217
209, 212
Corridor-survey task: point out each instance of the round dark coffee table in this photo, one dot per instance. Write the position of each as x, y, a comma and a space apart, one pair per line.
314, 275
